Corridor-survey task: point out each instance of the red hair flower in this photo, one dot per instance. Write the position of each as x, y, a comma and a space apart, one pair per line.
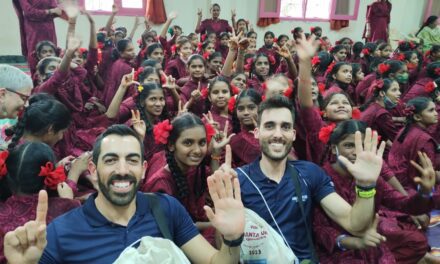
3, 169
263, 98
356, 114
430, 87
288, 92
378, 84
312, 29
330, 68
428, 53
203, 37
231, 104
173, 49
250, 61
199, 46
163, 78
264, 87
235, 90
100, 45
271, 59
139, 42
366, 51
204, 92
412, 45
315, 60
206, 55
137, 73
437, 71
400, 57
82, 50
321, 88
161, 132
326, 132
383, 68
210, 132
409, 110
52, 177
275, 40
247, 67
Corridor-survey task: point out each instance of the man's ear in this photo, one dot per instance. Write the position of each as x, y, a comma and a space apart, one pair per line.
256, 133
144, 169
93, 170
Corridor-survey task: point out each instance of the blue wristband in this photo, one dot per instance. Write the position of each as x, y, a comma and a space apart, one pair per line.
427, 196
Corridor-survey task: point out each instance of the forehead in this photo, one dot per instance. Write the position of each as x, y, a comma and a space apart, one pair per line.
345, 67
245, 101
155, 93
262, 59
120, 145
195, 133
338, 97
197, 62
219, 86
276, 115
47, 48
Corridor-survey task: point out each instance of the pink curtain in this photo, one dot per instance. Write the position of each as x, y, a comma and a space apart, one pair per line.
342, 8
155, 11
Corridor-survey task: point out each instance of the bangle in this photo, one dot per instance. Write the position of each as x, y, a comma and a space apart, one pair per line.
426, 196
366, 188
338, 242
366, 194
217, 158
234, 243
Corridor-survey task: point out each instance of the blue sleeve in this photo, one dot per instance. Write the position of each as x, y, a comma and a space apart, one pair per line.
183, 228
322, 185
50, 254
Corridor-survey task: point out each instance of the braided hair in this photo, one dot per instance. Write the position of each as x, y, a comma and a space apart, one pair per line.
419, 104
140, 104
180, 124
40, 116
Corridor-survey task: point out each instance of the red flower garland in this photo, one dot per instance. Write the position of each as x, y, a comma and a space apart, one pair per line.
235, 90
430, 87
137, 73
3, 169
383, 68
161, 132
231, 104
315, 60
326, 132
206, 55
210, 132
356, 114
366, 51
52, 177
330, 68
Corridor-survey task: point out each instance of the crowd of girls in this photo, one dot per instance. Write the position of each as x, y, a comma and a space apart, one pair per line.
190, 96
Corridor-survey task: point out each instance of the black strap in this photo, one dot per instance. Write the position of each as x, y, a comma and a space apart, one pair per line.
295, 178
158, 214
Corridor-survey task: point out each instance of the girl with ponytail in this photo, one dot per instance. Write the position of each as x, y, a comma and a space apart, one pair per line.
25, 171
181, 52
187, 140
414, 137
404, 242
429, 32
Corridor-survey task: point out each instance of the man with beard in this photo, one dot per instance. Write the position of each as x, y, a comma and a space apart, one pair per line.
117, 215
268, 184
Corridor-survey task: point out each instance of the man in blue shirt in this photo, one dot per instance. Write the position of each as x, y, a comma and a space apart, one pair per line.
271, 177
118, 215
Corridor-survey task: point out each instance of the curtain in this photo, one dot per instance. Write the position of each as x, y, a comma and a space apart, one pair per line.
271, 7
342, 8
155, 11
264, 22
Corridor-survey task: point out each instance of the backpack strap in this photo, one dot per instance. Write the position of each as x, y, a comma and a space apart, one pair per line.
295, 177
158, 214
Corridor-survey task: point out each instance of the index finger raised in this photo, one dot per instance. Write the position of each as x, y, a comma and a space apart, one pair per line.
42, 207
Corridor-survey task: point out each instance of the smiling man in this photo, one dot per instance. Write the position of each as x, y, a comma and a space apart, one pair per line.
273, 177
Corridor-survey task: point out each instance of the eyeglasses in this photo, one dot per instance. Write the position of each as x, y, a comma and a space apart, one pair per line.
23, 97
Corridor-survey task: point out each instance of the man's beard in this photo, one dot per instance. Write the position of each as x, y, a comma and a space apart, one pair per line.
118, 199
278, 156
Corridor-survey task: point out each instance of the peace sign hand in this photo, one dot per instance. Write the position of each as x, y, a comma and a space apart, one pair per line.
182, 108
427, 173
26, 243
210, 119
170, 82
197, 93
138, 124
128, 79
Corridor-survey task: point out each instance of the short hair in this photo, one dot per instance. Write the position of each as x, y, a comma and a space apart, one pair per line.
276, 102
13, 78
120, 130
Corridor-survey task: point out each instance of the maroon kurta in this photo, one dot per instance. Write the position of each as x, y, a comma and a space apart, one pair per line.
417, 139
17, 210
199, 107
313, 123
210, 25
35, 25
119, 69
245, 148
379, 119
418, 89
176, 68
412, 245
363, 86
256, 84
379, 18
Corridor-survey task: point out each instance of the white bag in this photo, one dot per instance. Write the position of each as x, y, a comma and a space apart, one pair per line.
262, 244
152, 250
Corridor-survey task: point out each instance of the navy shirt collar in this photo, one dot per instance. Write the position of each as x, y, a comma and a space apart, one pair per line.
258, 174
96, 219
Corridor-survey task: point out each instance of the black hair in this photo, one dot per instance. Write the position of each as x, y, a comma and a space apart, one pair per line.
335, 69
269, 33
42, 64
337, 48
211, 85
180, 124
147, 71
376, 93
434, 49
357, 49
213, 56
145, 35
315, 29
119, 130
152, 47
325, 59
39, 117
339, 42
432, 70
346, 128
149, 63
395, 66
252, 70
248, 93
406, 46
419, 104
355, 68
43, 43
223, 34
140, 99
121, 46
215, 5
374, 64
250, 33
283, 36
275, 102
24, 164
429, 21
242, 20
195, 57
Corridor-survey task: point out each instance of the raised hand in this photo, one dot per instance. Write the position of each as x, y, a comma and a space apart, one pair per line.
183, 108
306, 48
138, 124
228, 218
170, 82
368, 164
221, 138
81, 162
172, 15
71, 9
426, 180
57, 11
89, 18
64, 190
283, 51
26, 243
233, 13
210, 119
199, 13
137, 22
371, 238
66, 161
197, 93
114, 9
73, 43
128, 79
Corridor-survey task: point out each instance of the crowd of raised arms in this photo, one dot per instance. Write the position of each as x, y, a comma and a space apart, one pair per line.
331, 143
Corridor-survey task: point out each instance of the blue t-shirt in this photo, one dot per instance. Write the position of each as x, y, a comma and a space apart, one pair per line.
84, 235
282, 200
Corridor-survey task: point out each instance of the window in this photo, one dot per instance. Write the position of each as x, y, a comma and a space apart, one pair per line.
310, 10
125, 7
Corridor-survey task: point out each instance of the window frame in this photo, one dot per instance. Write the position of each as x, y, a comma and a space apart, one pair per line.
267, 14
122, 11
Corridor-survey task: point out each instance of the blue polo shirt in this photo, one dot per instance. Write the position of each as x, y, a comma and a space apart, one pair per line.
84, 235
282, 200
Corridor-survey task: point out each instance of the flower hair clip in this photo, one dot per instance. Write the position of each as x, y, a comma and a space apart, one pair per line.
378, 84
203, 37
272, 60
356, 114
330, 68
409, 110
140, 88
231, 104
430, 87
204, 92
366, 51
321, 87
161, 132
275, 40
264, 87
312, 29
52, 177
315, 60
206, 55
235, 90
437, 71
137, 73
400, 57
3, 169
383, 68
326, 132
210, 132
173, 49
